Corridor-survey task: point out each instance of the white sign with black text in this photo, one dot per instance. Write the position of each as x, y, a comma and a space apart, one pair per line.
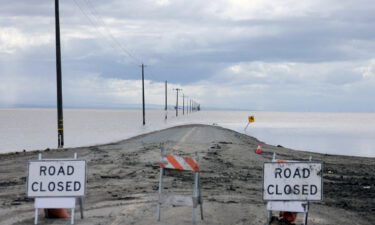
292, 181
56, 178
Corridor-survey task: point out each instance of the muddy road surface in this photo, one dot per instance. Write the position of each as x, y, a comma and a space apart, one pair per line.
123, 181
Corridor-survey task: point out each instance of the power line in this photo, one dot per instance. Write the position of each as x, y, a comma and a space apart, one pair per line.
92, 22
99, 18
114, 42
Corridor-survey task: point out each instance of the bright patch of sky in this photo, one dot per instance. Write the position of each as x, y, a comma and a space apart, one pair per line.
286, 55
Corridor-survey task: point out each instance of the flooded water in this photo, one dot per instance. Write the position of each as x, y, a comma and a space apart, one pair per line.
332, 133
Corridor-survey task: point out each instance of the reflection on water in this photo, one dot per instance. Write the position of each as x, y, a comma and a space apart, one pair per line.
332, 133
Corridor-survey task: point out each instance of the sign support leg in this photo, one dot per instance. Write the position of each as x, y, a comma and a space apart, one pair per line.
81, 206
269, 216
36, 216
306, 214
246, 127
72, 216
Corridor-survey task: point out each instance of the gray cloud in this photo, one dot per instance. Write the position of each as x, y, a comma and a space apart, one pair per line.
292, 55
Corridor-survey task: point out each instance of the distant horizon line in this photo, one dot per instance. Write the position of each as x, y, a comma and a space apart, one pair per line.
170, 108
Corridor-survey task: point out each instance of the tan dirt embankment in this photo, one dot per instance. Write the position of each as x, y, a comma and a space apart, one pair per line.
123, 181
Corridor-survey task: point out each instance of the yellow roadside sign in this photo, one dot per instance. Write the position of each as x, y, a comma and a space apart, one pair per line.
251, 119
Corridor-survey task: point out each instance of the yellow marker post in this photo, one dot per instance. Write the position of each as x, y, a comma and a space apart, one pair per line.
251, 119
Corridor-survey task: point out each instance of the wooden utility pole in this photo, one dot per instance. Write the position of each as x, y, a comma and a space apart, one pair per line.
143, 94
177, 90
166, 100
60, 119
187, 105
183, 104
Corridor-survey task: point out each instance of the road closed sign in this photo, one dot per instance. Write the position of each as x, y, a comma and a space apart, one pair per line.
292, 181
56, 178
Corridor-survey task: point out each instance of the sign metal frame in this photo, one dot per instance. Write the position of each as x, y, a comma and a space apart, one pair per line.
55, 160
295, 162
67, 202
291, 205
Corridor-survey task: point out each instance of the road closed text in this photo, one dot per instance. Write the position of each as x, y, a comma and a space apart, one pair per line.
51, 186
292, 181
296, 189
56, 178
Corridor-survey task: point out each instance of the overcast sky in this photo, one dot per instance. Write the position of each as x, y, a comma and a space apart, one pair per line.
283, 55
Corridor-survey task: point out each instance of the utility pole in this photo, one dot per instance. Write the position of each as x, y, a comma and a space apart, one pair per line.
60, 119
143, 94
166, 100
183, 104
177, 90
187, 105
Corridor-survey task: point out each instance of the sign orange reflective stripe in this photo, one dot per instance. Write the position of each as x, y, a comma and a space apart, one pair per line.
174, 162
192, 163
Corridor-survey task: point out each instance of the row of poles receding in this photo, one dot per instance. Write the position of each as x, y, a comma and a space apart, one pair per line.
189, 107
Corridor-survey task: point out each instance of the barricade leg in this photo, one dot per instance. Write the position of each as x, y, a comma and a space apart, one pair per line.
201, 206
160, 183
36, 216
160, 193
194, 217
200, 196
195, 196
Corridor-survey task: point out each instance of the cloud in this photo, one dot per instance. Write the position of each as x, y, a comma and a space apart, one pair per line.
292, 73
333, 86
275, 55
12, 39
252, 85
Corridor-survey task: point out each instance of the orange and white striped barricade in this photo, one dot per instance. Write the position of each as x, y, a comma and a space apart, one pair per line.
291, 207
50, 193
180, 163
